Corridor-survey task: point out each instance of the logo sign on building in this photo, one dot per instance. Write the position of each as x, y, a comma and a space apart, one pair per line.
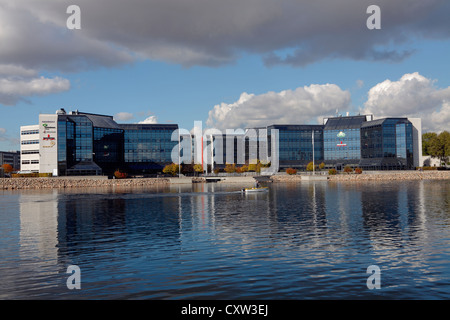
341, 135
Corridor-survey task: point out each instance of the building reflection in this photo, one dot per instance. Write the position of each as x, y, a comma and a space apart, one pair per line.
60, 225
39, 226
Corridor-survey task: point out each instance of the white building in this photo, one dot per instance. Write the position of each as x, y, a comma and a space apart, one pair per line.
29, 148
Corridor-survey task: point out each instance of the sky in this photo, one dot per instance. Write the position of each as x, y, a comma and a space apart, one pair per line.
230, 63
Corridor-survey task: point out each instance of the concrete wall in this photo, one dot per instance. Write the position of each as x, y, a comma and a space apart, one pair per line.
417, 141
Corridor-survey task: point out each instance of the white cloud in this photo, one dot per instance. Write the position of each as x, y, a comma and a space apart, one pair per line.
149, 120
123, 116
15, 89
413, 95
302, 105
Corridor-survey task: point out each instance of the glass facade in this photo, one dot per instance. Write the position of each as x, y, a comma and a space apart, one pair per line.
296, 144
108, 148
94, 143
148, 146
387, 144
342, 144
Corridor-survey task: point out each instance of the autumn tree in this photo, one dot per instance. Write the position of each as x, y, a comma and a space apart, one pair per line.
198, 168
311, 166
7, 168
171, 169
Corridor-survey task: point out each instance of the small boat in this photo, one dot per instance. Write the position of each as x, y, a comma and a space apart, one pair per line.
254, 190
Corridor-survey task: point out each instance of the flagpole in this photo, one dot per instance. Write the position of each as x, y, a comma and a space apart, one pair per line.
179, 151
313, 150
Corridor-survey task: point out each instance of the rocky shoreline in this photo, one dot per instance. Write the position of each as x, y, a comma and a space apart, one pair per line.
388, 176
43, 183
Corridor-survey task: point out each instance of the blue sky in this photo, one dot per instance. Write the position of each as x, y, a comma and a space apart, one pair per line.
179, 76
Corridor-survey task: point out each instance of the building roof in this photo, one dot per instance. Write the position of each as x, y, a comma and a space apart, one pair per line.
156, 126
352, 122
295, 127
101, 121
381, 121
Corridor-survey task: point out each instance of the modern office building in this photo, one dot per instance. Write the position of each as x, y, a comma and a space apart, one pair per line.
79, 143
356, 141
29, 148
10, 157
387, 144
147, 147
298, 144
342, 140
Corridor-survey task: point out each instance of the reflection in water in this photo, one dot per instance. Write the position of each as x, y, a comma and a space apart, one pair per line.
304, 240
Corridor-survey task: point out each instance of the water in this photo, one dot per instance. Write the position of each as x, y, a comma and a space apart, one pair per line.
310, 240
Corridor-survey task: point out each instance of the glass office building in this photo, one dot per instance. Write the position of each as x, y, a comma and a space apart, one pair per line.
148, 147
387, 144
342, 141
88, 144
78, 143
296, 145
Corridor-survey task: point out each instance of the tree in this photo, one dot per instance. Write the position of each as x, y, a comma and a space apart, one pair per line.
439, 146
7, 168
322, 165
198, 168
311, 166
171, 169
426, 140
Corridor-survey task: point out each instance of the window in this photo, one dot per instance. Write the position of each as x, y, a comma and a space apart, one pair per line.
25, 142
30, 151
27, 132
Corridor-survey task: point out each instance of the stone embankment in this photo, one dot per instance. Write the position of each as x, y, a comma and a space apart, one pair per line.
42, 183
385, 176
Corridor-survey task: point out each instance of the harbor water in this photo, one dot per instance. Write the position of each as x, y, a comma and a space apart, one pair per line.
304, 240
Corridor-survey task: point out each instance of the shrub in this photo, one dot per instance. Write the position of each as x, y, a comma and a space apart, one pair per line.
332, 172
291, 171
358, 170
45, 175
348, 169
230, 168
120, 175
216, 170
25, 175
